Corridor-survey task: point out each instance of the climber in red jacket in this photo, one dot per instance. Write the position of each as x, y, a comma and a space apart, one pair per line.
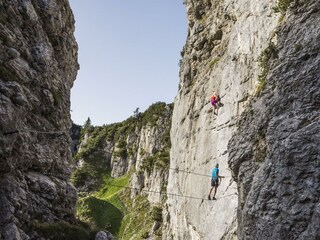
215, 99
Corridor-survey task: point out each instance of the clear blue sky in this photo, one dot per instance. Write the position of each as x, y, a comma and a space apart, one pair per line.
128, 54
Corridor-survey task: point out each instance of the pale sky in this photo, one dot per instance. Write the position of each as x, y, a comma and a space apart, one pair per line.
128, 54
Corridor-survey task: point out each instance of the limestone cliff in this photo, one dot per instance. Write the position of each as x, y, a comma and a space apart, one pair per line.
38, 64
262, 58
225, 40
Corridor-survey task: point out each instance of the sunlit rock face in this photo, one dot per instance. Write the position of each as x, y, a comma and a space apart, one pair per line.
262, 58
222, 51
38, 64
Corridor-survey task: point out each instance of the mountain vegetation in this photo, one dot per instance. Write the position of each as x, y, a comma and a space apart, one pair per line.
105, 198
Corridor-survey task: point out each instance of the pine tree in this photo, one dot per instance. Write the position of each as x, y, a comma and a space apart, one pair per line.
87, 124
136, 113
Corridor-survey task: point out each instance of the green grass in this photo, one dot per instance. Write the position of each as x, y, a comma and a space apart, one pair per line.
112, 209
63, 231
108, 190
138, 222
101, 213
104, 209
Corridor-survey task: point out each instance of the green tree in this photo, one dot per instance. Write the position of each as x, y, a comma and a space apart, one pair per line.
87, 123
136, 113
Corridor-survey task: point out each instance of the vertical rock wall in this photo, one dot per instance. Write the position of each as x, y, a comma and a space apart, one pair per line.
38, 64
275, 154
152, 141
225, 40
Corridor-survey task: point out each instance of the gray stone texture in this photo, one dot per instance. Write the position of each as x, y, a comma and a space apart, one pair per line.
102, 235
224, 42
38, 64
75, 138
275, 154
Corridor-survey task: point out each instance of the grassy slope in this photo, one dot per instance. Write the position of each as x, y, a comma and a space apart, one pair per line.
112, 209
103, 208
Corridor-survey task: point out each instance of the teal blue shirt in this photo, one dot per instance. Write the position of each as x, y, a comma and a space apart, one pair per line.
215, 173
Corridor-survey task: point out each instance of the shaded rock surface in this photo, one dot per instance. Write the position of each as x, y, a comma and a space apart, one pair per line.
275, 154
75, 138
38, 64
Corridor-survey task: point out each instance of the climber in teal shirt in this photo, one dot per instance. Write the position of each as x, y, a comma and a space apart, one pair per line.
214, 181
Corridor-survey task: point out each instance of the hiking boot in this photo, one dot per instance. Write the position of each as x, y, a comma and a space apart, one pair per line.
213, 198
209, 197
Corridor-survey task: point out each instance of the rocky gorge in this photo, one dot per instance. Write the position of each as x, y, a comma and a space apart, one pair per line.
148, 177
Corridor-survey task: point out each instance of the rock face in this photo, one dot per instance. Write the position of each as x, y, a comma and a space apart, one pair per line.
262, 58
224, 43
38, 64
275, 154
75, 138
